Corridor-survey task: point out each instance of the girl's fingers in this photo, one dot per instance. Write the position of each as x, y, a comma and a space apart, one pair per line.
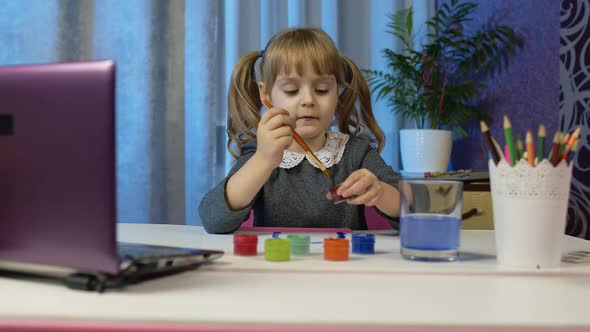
355, 201
280, 132
369, 198
365, 198
361, 187
352, 180
284, 142
272, 113
357, 188
279, 120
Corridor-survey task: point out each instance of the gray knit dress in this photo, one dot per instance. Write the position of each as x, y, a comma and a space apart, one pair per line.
295, 197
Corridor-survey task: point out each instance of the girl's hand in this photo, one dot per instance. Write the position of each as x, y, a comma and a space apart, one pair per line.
361, 187
274, 135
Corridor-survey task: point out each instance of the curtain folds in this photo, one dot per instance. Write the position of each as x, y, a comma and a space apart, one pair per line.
174, 59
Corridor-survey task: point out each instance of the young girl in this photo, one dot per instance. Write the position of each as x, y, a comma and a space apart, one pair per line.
311, 87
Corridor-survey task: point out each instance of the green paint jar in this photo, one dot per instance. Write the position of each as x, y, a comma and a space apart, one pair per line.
299, 244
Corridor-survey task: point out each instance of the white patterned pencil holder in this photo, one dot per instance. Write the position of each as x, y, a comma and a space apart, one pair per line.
530, 208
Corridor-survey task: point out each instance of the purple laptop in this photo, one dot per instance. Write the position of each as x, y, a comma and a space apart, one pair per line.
57, 173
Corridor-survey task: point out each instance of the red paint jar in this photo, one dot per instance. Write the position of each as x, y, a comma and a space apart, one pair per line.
245, 245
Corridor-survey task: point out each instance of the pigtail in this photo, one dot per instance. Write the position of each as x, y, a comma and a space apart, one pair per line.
244, 104
356, 87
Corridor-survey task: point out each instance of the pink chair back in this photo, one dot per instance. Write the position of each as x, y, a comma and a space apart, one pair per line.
374, 222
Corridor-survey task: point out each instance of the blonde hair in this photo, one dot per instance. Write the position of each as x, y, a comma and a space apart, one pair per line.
290, 50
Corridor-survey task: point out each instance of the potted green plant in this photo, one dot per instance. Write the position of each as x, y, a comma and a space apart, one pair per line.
438, 82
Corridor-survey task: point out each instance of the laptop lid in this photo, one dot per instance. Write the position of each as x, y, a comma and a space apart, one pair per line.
57, 180
57, 175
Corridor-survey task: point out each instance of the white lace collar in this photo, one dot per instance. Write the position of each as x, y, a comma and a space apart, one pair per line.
330, 154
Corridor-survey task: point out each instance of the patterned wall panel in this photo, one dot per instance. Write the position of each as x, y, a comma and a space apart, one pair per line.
574, 102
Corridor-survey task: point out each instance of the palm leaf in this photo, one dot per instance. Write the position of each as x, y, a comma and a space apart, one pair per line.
446, 72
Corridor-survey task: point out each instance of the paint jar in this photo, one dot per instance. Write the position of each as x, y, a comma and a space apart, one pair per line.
336, 249
277, 250
245, 245
299, 244
363, 244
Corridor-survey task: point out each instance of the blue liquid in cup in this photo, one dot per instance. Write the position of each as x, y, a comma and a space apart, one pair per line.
430, 232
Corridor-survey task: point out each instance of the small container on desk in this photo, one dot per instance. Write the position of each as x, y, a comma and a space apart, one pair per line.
363, 244
299, 244
477, 198
277, 249
245, 245
530, 209
336, 249
430, 219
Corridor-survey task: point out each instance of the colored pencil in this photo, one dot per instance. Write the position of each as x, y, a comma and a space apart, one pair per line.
497, 146
574, 147
574, 136
572, 144
569, 147
488, 140
530, 147
541, 136
554, 154
507, 154
300, 141
519, 149
509, 140
562, 143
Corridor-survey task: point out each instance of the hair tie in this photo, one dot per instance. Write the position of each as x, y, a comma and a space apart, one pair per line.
261, 53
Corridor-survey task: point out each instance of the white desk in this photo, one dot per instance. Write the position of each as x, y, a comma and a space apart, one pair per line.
369, 293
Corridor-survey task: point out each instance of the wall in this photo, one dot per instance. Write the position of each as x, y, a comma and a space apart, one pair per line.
548, 83
528, 91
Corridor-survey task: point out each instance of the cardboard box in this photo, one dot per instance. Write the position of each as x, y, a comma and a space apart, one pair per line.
482, 201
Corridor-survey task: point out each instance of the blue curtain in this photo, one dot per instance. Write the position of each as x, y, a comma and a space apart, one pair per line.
173, 60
